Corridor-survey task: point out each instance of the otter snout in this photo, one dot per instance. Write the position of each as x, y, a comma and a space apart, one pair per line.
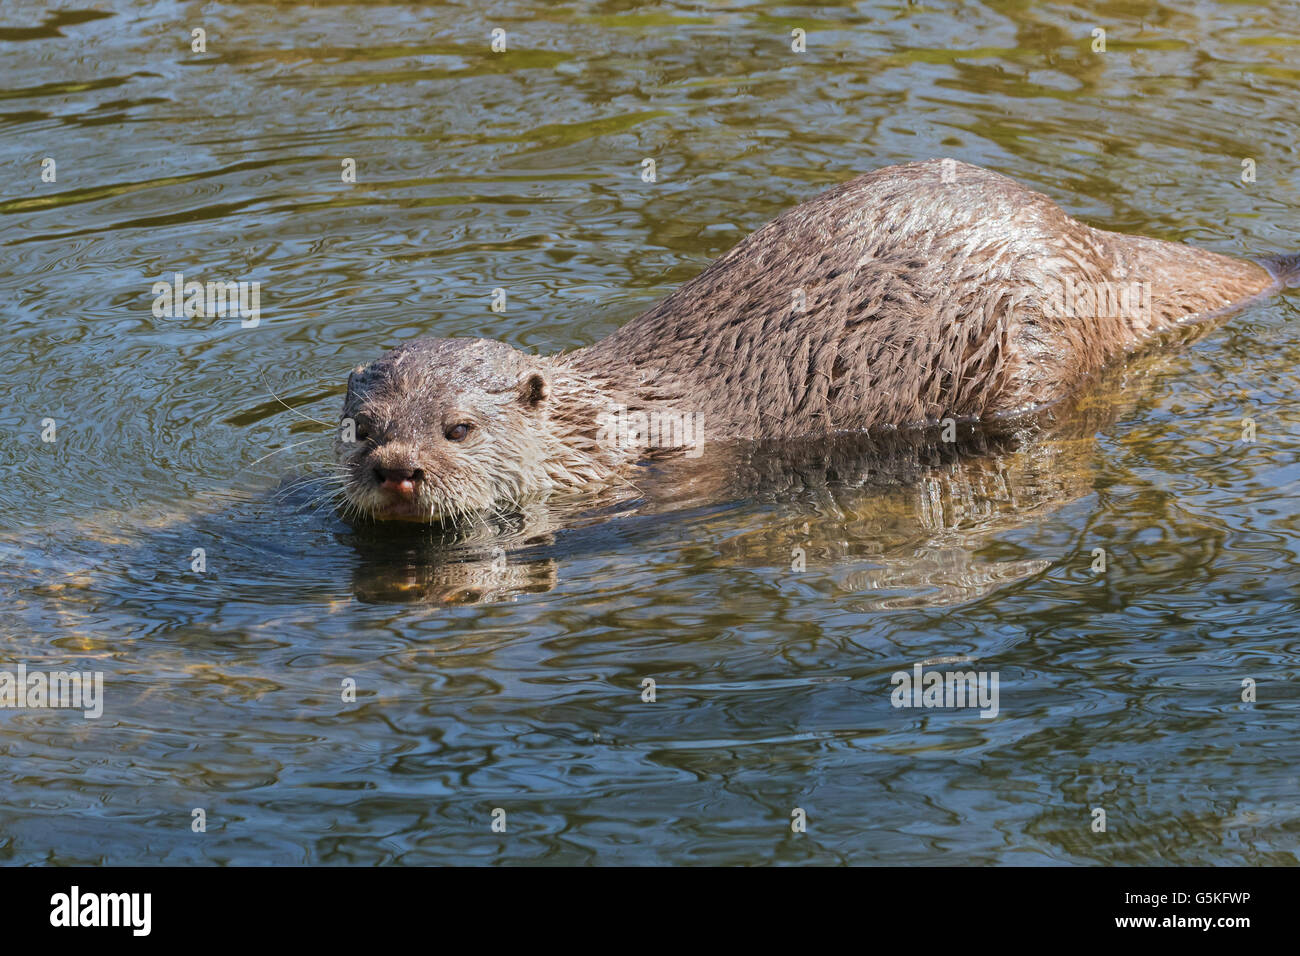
396, 468
401, 479
391, 482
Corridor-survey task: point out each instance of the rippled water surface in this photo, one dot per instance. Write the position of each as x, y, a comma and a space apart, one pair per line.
483, 685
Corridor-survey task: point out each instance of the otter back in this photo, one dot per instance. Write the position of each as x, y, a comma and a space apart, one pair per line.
905, 296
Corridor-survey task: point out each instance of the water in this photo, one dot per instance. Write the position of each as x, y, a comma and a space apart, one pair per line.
521, 688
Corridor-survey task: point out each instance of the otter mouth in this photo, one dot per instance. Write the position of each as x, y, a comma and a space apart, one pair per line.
400, 503
403, 511
388, 494
371, 501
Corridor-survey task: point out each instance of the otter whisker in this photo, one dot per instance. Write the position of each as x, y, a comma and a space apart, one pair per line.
283, 448
333, 488
336, 490
329, 475
328, 502
307, 418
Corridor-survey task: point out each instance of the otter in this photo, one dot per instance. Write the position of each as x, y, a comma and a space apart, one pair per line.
912, 295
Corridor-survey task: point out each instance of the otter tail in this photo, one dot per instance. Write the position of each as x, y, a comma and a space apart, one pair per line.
1285, 269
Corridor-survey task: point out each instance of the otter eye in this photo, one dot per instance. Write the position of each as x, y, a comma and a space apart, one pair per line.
457, 432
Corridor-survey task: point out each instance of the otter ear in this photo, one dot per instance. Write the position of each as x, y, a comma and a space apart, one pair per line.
533, 389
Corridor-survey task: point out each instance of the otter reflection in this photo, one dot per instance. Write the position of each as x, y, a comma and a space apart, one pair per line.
894, 518
484, 563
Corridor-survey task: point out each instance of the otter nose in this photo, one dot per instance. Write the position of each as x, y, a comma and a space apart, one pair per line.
399, 479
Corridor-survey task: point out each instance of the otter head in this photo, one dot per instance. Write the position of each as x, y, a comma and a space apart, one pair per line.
442, 428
